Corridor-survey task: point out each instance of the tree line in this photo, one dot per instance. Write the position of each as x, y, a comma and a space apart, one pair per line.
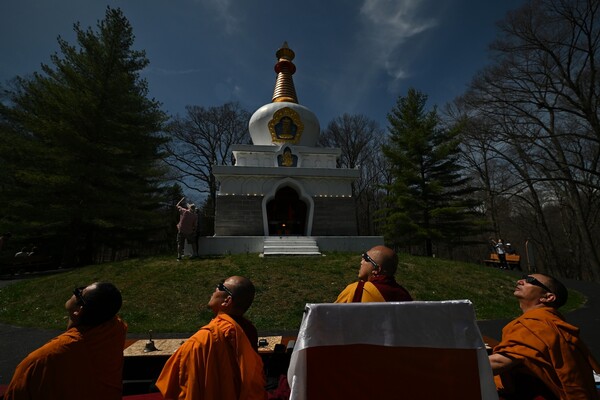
89, 159
80, 148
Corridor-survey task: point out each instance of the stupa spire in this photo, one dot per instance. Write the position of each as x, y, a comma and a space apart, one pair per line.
284, 86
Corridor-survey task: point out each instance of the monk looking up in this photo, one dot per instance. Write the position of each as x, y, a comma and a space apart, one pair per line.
376, 279
540, 353
85, 362
220, 361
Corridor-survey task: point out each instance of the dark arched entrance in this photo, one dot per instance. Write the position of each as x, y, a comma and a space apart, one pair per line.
286, 213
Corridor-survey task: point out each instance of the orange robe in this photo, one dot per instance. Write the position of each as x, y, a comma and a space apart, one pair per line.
370, 294
218, 362
551, 350
78, 364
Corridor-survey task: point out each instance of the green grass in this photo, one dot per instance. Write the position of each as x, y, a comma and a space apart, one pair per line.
170, 297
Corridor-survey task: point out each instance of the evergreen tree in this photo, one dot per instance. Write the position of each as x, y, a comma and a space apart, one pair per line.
88, 136
428, 199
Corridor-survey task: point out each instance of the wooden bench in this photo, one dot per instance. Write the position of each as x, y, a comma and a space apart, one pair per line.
513, 260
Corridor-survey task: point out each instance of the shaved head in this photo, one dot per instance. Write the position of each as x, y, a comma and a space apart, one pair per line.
386, 258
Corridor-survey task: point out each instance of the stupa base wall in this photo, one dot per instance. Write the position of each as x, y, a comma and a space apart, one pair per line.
239, 216
243, 216
334, 216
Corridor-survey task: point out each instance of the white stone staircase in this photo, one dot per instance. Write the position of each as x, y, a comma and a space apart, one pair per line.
290, 246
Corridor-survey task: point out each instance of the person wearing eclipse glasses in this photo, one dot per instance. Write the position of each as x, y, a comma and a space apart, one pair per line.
541, 355
221, 360
85, 362
376, 279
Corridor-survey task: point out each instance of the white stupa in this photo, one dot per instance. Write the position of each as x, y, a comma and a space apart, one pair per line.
283, 184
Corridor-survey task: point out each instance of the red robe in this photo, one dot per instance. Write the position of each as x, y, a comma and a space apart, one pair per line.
218, 362
379, 289
78, 364
550, 350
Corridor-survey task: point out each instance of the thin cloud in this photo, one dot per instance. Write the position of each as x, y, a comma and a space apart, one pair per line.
395, 21
388, 24
224, 13
384, 45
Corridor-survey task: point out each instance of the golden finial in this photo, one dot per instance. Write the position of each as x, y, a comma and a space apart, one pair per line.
285, 53
284, 86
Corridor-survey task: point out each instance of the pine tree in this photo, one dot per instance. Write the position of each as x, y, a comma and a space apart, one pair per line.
90, 170
428, 199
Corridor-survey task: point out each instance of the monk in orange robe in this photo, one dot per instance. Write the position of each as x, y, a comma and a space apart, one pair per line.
540, 353
85, 362
376, 279
219, 361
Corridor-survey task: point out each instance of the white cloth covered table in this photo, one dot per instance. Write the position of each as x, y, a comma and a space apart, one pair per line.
395, 350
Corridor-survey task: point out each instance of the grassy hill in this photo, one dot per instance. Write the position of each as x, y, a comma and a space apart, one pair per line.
167, 296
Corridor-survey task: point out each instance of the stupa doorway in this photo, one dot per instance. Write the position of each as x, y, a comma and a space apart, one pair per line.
286, 213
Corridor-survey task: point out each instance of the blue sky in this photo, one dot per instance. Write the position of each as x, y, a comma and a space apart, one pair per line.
352, 56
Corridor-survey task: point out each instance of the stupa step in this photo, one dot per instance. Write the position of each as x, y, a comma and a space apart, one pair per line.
267, 254
291, 248
290, 245
291, 252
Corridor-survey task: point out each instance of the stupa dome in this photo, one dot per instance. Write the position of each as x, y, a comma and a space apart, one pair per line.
284, 120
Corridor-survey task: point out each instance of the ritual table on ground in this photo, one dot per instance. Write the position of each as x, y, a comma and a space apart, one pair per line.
145, 359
